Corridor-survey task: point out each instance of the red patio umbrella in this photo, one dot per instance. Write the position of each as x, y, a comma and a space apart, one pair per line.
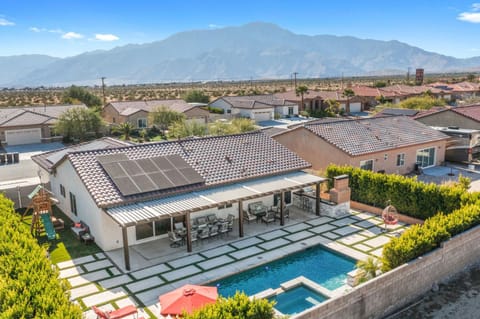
187, 298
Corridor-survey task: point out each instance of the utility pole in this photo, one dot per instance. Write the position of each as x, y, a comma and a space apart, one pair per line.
408, 75
295, 79
103, 91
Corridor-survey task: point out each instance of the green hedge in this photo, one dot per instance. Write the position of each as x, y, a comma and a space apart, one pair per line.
420, 239
239, 306
29, 285
409, 196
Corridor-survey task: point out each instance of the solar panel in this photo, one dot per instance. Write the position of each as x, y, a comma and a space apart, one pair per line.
114, 170
162, 163
132, 168
112, 158
126, 186
148, 174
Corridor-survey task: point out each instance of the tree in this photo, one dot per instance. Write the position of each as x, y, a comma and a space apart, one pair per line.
29, 284
77, 94
163, 117
300, 91
78, 123
242, 125
239, 306
333, 106
348, 93
196, 96
368, 268
125, 129
182, 129
421, 103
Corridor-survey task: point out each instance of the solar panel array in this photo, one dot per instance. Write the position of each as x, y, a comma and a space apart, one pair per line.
149, 174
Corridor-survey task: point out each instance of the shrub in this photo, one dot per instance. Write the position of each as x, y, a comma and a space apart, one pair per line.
29, 285
409, 196
236, 307
420, 239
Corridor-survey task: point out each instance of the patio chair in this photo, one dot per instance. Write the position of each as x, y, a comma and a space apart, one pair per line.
175, 241
213, 230
269, 218
203, 232
201, 222
115, 314
248, 216
212, 218
194, 236
180, 229
286, 213
223, 228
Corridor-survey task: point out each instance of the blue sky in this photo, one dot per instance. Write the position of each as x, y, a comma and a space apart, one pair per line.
66, 28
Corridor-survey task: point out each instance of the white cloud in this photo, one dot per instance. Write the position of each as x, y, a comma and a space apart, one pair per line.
4, 22
55, 31
72, 35
106, 37
473, 16
35, 29
214, 26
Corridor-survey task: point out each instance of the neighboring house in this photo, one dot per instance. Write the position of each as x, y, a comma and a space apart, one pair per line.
457, 91
130, 195
314, 101
370, 96
136, 112
30, 124
396, 112
391, 144
256, 107
466, 117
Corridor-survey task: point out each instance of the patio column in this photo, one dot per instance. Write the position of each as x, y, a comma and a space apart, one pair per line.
282, 209
240, 218
317, 199
189, 232
126, 253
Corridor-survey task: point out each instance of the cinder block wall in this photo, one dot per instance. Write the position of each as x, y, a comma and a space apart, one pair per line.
390, 291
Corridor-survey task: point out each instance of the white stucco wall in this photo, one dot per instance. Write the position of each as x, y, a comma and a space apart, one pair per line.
107, 233
222, 104
283, 110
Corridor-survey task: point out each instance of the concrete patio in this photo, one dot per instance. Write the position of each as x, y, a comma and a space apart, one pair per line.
99, 280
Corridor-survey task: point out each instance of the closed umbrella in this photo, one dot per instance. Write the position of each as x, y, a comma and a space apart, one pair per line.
187, 298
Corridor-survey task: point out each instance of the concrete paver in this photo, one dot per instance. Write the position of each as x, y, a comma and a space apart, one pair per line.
346, 230
115, 281
145, 284
377, 241
104, 297
273, 234
297, 227
330, 235
217, 251
215, 262
182, 272
344, 221
150, 271
322, 228
274, 243
246, 242
319, 221
98, 265
83, 291
240, 254
88, 277
299, 235
75, 262
181, 262
70, 272
352, 239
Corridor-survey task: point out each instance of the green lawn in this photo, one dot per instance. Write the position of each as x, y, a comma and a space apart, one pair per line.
66, 246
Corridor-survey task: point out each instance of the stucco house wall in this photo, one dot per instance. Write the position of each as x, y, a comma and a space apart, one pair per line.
320, 153
449, 118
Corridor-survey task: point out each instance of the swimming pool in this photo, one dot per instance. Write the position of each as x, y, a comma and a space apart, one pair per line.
317, 264
296, 300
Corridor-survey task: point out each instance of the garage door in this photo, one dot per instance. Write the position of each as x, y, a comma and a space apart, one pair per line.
26, 136
262, 116
355, 107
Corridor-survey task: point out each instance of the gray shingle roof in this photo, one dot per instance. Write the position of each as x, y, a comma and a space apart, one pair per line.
219, 160
129, 107
363, 136
256, 101
33, 115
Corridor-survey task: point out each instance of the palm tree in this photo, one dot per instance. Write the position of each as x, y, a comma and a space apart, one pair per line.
348, 93
125, 129
369, 267
301, 90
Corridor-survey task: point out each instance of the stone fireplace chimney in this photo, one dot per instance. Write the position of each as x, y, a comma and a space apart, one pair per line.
340, 193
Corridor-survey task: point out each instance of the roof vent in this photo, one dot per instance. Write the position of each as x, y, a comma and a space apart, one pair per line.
453, 127
228, 159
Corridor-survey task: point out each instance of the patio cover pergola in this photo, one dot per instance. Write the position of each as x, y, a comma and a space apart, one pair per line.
185, 204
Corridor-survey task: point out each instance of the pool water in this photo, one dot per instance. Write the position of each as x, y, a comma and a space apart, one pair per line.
296, 300
317, 264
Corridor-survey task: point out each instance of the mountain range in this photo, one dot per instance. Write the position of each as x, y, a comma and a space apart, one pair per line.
256, 50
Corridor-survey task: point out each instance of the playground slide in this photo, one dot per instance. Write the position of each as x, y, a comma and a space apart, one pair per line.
47, 224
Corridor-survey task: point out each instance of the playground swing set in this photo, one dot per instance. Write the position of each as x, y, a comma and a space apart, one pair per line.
42, 216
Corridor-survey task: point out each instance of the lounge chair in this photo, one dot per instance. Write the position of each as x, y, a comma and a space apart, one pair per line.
180, 229
286, 213
201, 221
203, 232
175, 241
230, 219
213, 231
223, 228
115, 314
212, 218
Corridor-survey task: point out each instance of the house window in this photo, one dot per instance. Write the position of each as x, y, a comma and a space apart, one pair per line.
229, 111
426, 157
113, 120
290, 111
287, 196
156, 228
142, 123
73, 204
385, 157
367, 165
143, 231
162, 227
400, 159
62, 190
